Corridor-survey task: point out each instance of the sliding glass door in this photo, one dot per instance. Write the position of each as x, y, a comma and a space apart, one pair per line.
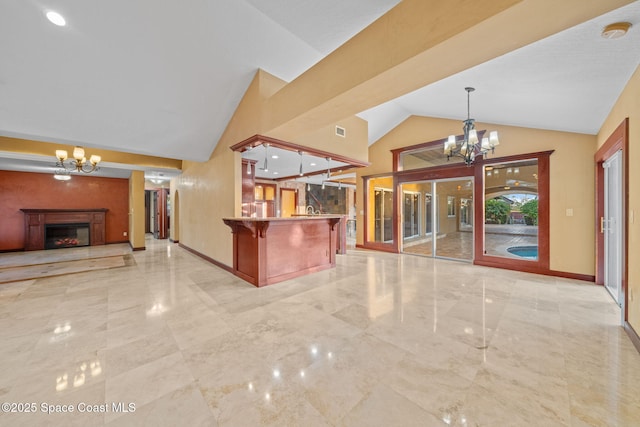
448, 207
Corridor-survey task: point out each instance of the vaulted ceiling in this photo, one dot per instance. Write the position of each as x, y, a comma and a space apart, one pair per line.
164, 78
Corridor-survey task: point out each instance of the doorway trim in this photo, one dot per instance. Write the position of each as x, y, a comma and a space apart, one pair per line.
617, 141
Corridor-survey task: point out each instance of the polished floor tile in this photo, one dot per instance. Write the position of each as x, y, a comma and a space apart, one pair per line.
166, 338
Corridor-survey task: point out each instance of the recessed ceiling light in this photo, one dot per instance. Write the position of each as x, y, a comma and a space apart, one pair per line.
615, 30
275, 156
56, 18
312, 164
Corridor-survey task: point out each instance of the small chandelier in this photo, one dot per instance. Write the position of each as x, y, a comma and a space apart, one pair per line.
469, 147
79, 162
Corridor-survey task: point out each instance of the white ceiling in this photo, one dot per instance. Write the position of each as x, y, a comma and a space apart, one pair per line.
160, 78
566, 82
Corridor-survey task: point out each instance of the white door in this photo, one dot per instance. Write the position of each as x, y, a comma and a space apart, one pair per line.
612, 226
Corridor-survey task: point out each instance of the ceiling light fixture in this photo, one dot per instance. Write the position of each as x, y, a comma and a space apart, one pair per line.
79, 162
469, 147
328, 168
265, 166
300, 153
248, 161
62, 175
56, 18
615, 30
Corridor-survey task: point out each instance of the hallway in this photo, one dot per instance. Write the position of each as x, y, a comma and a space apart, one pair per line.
381, 340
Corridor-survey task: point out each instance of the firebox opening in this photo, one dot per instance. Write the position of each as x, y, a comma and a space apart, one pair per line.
59, 236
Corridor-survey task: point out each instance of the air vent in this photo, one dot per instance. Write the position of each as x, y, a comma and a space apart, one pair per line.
340, 131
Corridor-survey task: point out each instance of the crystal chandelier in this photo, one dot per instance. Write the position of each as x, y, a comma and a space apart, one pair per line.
79, 162
469, 147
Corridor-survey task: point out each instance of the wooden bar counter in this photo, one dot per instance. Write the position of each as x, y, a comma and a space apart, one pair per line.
270, 250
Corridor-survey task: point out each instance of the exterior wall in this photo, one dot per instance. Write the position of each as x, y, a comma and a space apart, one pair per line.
38, 190
571, 175
628, 105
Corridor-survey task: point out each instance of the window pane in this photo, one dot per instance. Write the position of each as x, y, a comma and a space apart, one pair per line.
511, 210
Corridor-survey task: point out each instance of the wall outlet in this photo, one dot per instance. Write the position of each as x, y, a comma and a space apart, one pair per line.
124, 233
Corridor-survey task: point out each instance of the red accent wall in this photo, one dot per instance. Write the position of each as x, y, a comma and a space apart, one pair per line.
20, 190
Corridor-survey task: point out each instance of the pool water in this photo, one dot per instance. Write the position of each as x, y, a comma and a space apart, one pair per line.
528, 252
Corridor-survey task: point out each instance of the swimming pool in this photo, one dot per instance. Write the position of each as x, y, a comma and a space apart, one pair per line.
528, 252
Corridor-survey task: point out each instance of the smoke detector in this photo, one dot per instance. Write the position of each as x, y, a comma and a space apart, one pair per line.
616, 30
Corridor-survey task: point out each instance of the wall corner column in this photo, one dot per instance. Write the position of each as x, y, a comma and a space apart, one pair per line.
136, 210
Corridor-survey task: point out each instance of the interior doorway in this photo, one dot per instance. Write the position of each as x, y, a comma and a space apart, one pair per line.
157, 207
288, 202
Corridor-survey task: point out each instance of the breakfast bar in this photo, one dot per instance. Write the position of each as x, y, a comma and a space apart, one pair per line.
270, 250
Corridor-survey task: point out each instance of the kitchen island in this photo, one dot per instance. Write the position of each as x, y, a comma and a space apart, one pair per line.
270, 250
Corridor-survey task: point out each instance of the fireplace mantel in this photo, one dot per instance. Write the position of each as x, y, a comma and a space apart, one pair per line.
36, 219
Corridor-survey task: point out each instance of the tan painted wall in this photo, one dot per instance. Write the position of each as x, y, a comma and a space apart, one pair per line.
354, 145
210, 191
628, 105
27, 146
136, 210
571, 175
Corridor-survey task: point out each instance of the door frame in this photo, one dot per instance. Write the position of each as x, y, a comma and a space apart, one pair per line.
617, 141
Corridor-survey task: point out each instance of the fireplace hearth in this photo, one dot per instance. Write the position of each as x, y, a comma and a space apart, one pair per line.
58, 236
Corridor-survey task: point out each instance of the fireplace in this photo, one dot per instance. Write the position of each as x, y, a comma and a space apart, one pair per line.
57, 236
63, 228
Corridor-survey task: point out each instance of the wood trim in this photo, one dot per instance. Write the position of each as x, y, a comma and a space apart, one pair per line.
139, 248
395, 214
618, 140
576, 276
478, 213
542, 265
532, 268
633, 335
256, 140
365, 207
206, 258
382, 247
174, 241
437, 172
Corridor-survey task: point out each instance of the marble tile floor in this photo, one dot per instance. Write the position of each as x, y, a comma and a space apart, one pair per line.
381, 340
459, 245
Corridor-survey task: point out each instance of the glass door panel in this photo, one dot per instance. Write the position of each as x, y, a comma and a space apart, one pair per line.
410, 214
454, 222
612, 226
511, 210
383, 215
416, 218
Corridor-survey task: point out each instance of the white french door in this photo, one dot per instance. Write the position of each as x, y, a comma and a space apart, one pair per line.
612, 226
